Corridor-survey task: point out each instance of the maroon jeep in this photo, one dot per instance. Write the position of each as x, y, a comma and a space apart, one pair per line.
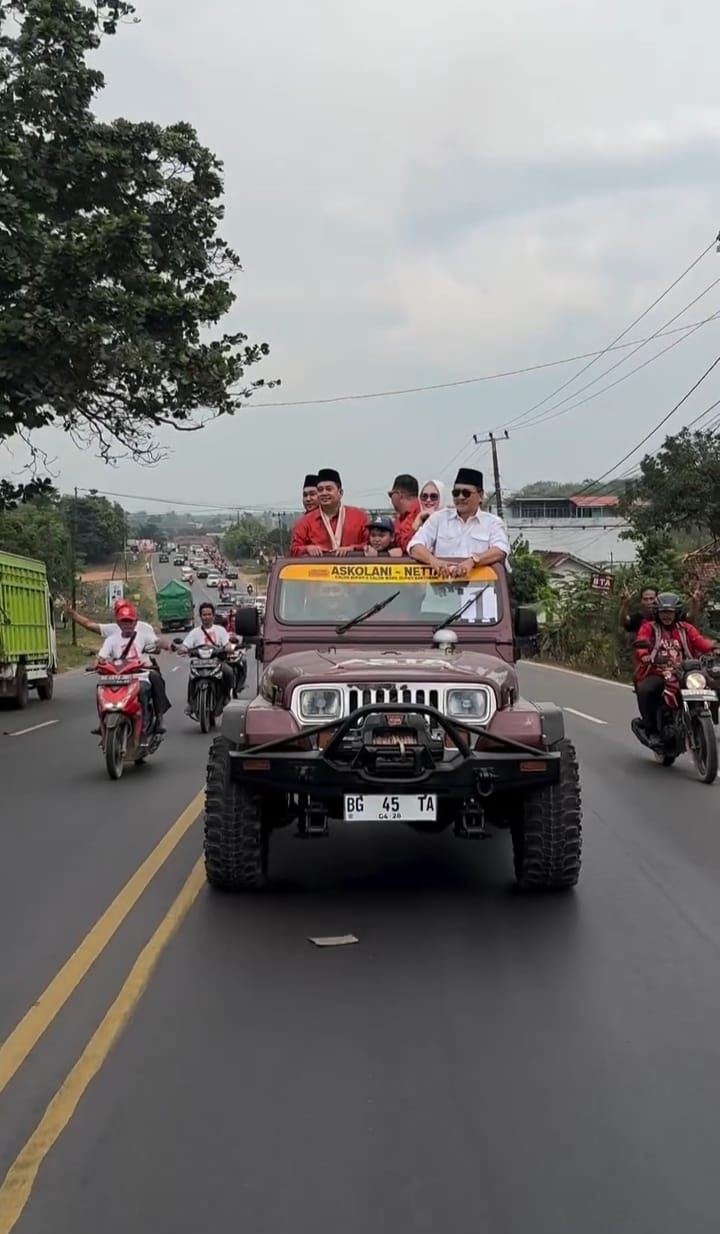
388, 693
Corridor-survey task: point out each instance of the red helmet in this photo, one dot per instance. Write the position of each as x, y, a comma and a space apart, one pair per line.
124, 611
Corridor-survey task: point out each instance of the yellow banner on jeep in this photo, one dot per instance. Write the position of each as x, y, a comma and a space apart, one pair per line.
376, 572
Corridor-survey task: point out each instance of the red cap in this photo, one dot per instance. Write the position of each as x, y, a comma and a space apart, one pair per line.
124, 611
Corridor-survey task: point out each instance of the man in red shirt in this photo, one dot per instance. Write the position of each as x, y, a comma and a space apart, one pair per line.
662, 642
405, 503
333, 527
310, 493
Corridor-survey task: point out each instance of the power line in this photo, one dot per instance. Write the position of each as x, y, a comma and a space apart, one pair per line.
656, 301
469, 381
654, 430
690, 328
546, 417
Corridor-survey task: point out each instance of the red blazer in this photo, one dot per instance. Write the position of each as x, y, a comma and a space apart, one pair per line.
404, 530
310, 529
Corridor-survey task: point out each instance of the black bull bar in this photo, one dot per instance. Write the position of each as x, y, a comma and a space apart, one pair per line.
459, 772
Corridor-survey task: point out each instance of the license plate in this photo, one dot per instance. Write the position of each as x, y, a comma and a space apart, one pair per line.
119, 680
390, 807
708, 694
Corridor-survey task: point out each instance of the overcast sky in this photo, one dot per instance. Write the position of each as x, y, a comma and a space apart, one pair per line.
422, 193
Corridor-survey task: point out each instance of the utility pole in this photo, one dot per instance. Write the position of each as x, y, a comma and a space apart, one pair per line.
491, 440
73, 564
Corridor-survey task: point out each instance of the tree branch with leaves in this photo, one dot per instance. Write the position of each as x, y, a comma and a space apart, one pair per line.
113, 278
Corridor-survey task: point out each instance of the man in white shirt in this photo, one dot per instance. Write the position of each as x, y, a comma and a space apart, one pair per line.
466, 532
107, 628
131, 645
208, 634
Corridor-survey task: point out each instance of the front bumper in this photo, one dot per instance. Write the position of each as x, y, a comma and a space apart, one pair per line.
352, 761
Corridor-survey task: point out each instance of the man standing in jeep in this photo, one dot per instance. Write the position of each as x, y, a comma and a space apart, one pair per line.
467, 532
333, 526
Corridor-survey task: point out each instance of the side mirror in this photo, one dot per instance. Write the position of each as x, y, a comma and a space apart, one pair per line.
526, 623
177, 642
247, 624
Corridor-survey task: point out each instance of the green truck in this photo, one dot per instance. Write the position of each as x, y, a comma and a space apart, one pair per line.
175, 607
28, 649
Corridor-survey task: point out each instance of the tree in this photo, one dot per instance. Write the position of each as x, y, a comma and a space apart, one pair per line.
529, 575
111, 269
38, 530
98, 526
243, 540
678, 492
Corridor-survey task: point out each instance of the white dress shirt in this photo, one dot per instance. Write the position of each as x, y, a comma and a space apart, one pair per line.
447, 535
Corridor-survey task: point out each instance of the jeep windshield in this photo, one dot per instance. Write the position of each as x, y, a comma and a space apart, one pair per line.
316, 593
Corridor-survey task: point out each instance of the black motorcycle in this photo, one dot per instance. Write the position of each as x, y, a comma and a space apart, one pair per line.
235, 657
207, 687
685, 719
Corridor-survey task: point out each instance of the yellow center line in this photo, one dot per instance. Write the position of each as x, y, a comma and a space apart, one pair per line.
25, 1036
20, 1178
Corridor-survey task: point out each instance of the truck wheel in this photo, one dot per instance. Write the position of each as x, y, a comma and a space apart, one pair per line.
46, 688
22, 690
547, 845
236, 840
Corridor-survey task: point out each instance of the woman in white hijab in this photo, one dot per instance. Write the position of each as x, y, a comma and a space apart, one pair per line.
432, 499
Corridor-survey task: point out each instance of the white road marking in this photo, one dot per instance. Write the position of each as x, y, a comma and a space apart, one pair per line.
584, 716
22, 731
175, 669
571, 672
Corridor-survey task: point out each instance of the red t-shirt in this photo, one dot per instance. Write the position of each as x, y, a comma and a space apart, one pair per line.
310, 529
697, 644
404, 530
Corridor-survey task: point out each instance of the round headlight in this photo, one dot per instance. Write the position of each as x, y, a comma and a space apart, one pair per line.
470, 705
695, 681
319, 705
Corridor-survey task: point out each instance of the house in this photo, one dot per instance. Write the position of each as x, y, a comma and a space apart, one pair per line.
552, 508
565, 567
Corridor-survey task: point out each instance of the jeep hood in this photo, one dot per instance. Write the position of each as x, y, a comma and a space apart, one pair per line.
375, 666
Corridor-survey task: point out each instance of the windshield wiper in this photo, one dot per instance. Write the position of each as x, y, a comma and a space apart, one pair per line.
369, 612
459, 612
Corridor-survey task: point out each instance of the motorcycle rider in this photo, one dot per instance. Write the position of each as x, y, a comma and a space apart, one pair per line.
106, 629
663, 641
209, 634
131, 645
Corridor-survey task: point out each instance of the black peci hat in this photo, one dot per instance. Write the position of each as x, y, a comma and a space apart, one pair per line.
468, 475
330, 476
310, 482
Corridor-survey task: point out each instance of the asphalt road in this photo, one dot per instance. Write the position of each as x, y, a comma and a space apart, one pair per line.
480, 1062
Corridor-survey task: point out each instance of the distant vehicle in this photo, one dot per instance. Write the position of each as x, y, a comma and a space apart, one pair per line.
163, 558
179, 561
232, 574
202, 571
175, 607
213, 580
28, 652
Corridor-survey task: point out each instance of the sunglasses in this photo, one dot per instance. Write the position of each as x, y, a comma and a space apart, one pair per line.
463, 492
432, 497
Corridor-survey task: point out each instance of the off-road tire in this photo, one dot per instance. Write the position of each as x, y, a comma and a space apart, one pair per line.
547, 845
236, 840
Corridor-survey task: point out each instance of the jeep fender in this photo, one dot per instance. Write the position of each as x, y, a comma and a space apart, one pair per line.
553, 723
233, 721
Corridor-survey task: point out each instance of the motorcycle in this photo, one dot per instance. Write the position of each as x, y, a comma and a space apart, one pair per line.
235, 657
685, 719
122, 735
207, 689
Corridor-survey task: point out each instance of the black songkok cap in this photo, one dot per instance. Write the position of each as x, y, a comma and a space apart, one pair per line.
330, 476
468, 475
310, 482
